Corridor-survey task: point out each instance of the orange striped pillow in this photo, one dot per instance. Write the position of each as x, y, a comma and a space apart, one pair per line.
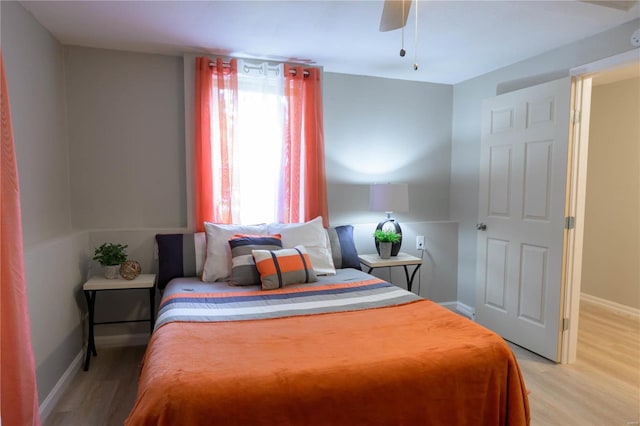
278, 268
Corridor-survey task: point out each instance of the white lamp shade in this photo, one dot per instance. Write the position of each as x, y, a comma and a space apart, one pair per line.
389, 197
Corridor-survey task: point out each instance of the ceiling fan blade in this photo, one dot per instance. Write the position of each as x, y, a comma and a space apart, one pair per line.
392, 14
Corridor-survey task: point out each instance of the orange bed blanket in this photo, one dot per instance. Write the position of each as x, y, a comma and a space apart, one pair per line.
413, 364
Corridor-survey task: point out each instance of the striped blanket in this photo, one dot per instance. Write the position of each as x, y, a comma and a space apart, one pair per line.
290, 301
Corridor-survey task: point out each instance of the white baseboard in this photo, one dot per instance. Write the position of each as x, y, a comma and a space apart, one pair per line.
58, 390
449, 305
459, 308
117, 340
466, 310
608, 304
65, 380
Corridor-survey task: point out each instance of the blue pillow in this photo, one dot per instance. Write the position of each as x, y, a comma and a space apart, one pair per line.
343, 248
179, 255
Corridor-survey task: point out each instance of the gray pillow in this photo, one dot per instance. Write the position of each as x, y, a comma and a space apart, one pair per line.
243, 266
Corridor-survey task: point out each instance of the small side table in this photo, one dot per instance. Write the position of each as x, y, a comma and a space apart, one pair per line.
95, 284
402, 259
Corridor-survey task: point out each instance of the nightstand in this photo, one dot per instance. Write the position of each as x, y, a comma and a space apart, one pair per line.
402, 259
95, 284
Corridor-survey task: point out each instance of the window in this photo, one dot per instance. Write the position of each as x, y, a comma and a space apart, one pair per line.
259, 143
260, 124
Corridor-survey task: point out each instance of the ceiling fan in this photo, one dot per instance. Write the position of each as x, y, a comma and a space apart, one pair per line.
396, 12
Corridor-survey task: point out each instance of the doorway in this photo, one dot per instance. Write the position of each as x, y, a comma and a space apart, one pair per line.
602, 249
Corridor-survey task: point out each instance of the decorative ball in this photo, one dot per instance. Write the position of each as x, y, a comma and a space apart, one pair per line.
129, 269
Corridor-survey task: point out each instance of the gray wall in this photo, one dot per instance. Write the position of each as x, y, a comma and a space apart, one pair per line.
612, 234
384, 130
127, 156
35, 73
115, 161
55, 256
126, 134
467, 107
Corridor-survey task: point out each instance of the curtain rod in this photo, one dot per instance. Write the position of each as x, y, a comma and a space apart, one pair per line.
226, 65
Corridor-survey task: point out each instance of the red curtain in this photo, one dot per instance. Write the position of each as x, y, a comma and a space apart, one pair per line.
18, 391
202, 153
216, 99
304, 170
303, 189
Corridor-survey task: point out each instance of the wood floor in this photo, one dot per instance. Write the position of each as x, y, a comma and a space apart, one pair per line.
105, 394
601, 389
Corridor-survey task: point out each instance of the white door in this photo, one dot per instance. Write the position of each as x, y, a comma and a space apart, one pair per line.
521, 215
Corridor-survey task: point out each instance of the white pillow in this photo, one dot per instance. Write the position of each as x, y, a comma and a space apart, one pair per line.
217, 266
313, 237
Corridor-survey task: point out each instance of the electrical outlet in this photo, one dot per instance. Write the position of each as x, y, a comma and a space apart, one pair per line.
635, 38
420, 242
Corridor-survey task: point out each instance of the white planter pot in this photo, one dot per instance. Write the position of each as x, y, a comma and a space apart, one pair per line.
111, 272
385, 250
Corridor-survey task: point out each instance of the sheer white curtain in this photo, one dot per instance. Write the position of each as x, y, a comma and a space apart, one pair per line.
258, 150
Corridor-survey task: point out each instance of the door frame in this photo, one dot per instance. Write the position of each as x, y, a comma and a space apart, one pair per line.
576, 190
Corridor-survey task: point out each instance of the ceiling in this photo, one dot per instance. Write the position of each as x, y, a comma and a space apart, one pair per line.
457, 40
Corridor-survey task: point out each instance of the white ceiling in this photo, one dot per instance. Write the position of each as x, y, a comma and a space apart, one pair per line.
457, 40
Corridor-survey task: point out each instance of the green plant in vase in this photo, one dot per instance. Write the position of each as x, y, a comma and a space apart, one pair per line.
386, 236
385, 239
110, 256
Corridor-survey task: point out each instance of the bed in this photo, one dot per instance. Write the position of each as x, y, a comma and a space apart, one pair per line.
347, 349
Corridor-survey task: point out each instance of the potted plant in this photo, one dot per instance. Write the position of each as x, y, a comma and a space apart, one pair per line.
110, 256
385, 239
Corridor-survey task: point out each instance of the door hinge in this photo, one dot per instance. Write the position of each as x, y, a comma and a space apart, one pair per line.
569, 222
575, 116
565, 324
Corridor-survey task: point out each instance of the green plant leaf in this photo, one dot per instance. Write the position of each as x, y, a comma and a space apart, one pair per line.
386, 236
109, 254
